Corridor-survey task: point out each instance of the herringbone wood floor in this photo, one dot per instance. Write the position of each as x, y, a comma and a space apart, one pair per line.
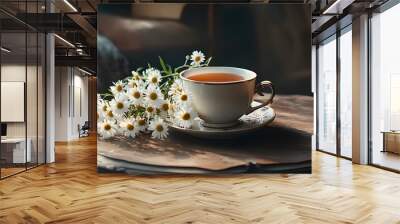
71, 191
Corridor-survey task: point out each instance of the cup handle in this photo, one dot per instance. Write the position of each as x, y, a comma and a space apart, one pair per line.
259, 89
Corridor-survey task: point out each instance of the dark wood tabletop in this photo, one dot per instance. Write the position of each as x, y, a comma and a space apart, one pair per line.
284, 145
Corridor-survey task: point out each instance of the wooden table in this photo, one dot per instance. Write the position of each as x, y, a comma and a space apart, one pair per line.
391, 141
284, 146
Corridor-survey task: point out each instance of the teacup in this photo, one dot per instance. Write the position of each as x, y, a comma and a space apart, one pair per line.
221, 95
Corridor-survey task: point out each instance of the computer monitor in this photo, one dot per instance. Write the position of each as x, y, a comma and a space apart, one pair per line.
3, 129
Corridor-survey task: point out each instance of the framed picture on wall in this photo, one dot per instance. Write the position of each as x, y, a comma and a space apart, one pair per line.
204, 88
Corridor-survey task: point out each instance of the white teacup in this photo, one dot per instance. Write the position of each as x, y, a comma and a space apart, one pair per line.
221, 104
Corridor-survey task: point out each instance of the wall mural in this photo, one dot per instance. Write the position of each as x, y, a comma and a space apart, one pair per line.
204, 88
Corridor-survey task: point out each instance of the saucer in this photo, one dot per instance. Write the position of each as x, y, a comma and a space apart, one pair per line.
247, 124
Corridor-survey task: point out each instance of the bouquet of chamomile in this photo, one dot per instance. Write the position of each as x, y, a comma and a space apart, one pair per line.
147, 101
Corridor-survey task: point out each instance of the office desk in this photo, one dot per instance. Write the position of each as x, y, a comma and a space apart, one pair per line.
13, 150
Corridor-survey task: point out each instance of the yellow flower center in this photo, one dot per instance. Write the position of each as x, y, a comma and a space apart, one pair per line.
104, 108
150, 109
110, 114
165, 107
185, 116
184, 97
119, 88
154, 80
136, 77
141, 122
159, 128
153, 96
130, 127
120, 105
107, 127
197, 58
136, 94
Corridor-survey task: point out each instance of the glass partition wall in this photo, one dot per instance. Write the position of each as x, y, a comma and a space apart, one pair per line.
22, 77
334, 93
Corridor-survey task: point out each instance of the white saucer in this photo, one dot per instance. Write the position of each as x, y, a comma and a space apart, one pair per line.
247, 123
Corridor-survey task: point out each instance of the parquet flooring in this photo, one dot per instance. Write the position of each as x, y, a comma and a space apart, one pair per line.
71, 191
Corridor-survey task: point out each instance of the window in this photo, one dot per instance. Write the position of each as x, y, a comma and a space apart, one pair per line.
385, 88
346, 92
326, 98
334, 106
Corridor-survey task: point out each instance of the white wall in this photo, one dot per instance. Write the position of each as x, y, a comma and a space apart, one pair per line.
70, 109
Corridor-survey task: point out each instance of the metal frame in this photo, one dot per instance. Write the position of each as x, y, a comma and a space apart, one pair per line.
44, 74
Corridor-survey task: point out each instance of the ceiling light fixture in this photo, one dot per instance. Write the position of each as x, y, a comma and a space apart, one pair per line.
84, 71
65, 41
5, 50
337, 7
70, 5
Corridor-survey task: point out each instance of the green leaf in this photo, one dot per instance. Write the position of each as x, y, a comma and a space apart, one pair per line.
163, 66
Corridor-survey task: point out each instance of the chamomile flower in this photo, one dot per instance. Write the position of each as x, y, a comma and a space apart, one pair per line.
136, 95
175, 88
107, 129
100, 116
185, 117
153, 76
172, 108
132, 83
150, 111
182, 98
117, 88
109, 115
129, 128
135, 83
159, 129
197, 58
140, 123
164, 108
136, 75
120, 104
102, 106
154, 96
